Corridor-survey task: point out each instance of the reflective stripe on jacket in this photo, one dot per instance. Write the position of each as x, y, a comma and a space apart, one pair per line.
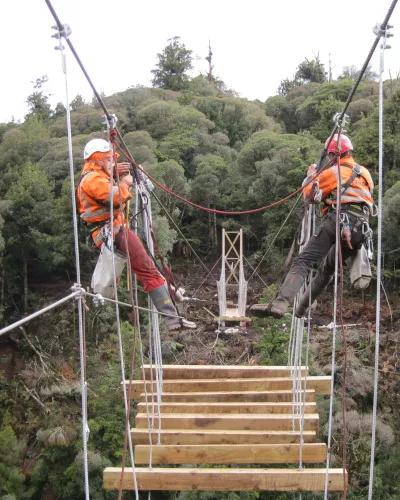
93, 196
359, 191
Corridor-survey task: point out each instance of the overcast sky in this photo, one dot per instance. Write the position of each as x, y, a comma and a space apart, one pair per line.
256, 43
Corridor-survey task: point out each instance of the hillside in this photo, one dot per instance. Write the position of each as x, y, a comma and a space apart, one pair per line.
221, 151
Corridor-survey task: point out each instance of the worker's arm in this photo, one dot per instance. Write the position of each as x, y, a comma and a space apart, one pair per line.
98, 188
311, 191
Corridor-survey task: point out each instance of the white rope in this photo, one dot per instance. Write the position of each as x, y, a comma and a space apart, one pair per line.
120, 342
99, 298
81, 323
154, 327
334, 330
146, 396
378, 273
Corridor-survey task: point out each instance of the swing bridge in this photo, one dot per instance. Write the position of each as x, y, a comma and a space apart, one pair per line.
237, 419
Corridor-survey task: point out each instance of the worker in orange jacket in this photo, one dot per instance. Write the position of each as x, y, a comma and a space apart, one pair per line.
356, 206
93, 196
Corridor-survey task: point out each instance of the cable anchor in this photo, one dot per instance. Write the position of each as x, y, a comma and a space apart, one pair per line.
341, 121
110, 122
61, 32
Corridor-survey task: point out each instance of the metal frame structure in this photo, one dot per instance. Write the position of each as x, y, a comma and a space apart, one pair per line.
232, 275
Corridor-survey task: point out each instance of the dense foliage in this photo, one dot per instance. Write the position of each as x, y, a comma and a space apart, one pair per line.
221, 151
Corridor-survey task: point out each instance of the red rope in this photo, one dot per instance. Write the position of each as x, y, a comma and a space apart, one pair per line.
169, 191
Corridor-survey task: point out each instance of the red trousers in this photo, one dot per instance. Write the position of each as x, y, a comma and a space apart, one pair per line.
141, 263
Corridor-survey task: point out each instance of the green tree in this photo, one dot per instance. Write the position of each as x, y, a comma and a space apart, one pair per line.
352, 73
310, 70
29, 224
77, 103
173, 63
38, 104
12, 481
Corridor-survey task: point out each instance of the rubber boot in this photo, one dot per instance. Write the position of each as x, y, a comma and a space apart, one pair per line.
318, 284
280, 305
162, 300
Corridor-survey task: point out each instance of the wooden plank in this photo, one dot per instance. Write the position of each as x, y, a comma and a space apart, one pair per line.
184, 436
232, 396
258, 422
233, 318
230, 454
221, 371
321, 385
247, 408
224, 479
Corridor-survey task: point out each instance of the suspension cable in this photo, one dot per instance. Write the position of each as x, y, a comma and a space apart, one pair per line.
341, 117
378, 272
276, 236
22, 321
178, 229
63, 34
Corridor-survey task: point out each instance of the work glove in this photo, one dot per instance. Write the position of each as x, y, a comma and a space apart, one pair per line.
316, 192
123, 168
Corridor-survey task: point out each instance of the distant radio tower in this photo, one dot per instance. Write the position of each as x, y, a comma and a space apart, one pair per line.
209, 59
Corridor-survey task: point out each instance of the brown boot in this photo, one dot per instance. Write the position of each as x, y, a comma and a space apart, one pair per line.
278, 307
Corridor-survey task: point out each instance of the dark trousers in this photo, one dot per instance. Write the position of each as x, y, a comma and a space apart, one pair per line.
320, 252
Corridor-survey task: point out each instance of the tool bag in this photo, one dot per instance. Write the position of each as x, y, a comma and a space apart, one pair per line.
103, 275
360, 270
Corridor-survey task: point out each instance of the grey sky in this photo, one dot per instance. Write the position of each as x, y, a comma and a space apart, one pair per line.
255, 43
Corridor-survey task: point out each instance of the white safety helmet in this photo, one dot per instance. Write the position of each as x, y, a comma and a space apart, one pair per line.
96, 146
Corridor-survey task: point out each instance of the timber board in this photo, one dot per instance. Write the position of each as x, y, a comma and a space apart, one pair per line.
320, 384
230, 454
184, 436
233, 421
221, 371
285, 395
226, 408
224, 479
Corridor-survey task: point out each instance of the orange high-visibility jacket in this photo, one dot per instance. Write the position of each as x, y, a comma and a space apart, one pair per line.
359, 191
93, 196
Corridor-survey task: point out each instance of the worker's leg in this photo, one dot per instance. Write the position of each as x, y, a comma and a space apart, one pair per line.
314, 252
327, 269
141, 263
319, 282
152, 280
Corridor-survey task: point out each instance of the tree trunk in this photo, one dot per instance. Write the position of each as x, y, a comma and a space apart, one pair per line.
25, 274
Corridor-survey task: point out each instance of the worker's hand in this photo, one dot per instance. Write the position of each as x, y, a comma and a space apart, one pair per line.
123, 168
346, 236
316, 192
312, 169
127, 179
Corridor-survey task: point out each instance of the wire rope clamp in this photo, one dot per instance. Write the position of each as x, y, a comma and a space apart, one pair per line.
98, 300
62, 32
79, 290
341, 121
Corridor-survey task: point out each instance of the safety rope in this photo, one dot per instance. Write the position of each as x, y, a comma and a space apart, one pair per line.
334, 330
270, 246
120, 344
378, 270
60, 35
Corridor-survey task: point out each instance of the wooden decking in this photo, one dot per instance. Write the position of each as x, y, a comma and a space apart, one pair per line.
225, 415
